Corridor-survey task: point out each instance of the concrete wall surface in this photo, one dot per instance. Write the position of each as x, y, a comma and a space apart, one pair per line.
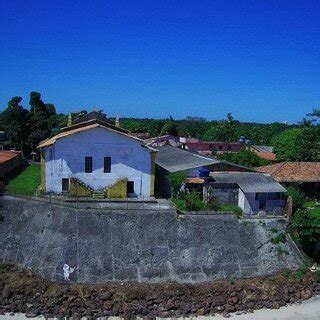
138, 245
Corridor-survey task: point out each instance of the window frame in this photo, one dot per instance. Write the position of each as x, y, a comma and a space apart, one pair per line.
107, 164
88, 167
62, 184
130, 183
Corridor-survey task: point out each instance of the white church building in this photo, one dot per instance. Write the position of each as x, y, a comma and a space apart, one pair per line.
97, 154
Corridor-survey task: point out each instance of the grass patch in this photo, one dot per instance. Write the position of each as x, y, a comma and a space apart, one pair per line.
300, 272
281, 251
280, 238
230, 208
313, 209
26, 182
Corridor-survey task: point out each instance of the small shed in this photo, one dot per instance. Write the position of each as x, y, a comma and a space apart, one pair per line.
257, 191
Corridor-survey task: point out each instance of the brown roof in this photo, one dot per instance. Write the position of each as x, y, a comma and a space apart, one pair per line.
6, 155
53, 140
267, 155
293, 171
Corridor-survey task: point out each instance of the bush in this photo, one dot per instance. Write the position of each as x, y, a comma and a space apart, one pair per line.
298, 198
281, 237
176, 179
180, 204
193, 202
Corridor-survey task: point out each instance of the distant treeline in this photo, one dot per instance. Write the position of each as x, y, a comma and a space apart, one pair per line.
26, 127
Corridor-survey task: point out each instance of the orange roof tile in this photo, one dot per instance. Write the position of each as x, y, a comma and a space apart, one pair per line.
6, 155
293, 171
267, 155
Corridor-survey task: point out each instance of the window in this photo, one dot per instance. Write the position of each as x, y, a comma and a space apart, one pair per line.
220, 147
88, 165
65, 184
130, 187
107, 164
229, 147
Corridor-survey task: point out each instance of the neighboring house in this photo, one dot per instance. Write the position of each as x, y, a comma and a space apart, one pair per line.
160, 141
302, 175
206, 147
140, 135
264, 152
170, 159
94, 155
256, 192
9, 162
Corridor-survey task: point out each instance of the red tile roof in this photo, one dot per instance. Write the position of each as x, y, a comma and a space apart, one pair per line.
6, 155
293, 171
267, 155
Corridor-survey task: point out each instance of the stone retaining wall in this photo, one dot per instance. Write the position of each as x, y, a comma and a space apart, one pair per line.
138, 245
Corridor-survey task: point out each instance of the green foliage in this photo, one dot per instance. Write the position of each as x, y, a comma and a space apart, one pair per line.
193, 202
282, 251
245, 157
274, 230
298, 198
231, 208
39, 119
305, 225
286, 144
176, 179
308, 146
169, 128
280, 238
317, 276
286, 273
298, 144
27, 182
301, 272
14, 121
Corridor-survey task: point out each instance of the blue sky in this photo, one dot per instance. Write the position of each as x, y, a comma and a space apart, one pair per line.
258, 59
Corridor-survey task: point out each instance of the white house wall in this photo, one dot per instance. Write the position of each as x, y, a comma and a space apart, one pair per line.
66, 159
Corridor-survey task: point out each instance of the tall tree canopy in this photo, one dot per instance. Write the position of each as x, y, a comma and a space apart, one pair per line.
40, 114
14, 120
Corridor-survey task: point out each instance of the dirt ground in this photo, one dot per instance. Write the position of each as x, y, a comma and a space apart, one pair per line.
22, 291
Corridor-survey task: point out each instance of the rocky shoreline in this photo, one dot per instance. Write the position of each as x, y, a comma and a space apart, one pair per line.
22, 291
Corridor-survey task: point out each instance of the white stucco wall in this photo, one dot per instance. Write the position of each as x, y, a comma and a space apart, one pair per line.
248, 203
66, 158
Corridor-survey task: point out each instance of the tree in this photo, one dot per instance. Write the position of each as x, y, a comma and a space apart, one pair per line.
40, 114
308, 145
222, 131
169, 128
14, 122
298, 144
245, 157
286, 144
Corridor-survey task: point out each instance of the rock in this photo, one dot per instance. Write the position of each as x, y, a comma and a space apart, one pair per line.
233, 300
306, 294
201, 312
230, 308
30, 315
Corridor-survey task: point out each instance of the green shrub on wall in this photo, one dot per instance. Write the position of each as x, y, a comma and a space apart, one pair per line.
176, 179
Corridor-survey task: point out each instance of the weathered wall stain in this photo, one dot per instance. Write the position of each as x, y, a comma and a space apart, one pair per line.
137, 245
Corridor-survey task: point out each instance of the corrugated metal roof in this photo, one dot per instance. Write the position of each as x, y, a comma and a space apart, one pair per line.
263, 148
175, 159
249, 181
